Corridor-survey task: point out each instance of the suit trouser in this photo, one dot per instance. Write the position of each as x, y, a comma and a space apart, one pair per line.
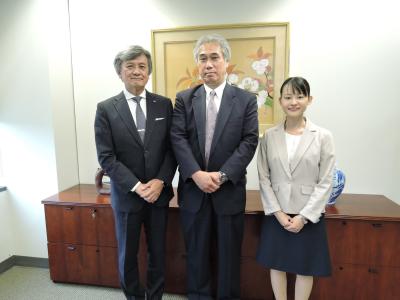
128, 228
199, 229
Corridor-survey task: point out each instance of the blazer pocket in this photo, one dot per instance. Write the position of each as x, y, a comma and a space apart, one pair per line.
307, 189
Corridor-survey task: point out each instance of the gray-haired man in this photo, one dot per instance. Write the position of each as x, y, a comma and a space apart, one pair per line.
133, 147
214, 135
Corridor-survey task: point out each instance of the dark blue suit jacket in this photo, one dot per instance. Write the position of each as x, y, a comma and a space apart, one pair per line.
234, 143
123, 155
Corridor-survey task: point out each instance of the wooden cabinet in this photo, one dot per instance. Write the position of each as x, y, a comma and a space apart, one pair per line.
364, 253
81, 239
364, 243
363, 234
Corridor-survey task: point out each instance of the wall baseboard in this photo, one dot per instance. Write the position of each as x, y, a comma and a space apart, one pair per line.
25, 261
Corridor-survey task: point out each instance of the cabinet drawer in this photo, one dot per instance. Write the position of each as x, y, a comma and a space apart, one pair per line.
350, 282
83, 264
80, 225
364, 242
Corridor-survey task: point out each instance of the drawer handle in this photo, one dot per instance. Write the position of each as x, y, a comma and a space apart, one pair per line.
344, 223
373, 271
377, 225
94, 213
69, 208
71, 248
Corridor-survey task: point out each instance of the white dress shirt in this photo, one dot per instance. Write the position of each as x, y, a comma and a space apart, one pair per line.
132, 107
132, 103
218, 97
292, 142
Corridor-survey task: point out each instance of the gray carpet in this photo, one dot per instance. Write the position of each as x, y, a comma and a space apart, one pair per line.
26, 283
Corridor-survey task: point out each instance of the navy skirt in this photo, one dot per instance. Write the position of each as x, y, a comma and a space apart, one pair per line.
305, 253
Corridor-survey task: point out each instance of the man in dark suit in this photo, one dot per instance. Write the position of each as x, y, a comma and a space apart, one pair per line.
214, 135
133, 147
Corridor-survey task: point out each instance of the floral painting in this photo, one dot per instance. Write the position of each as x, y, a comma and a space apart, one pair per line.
258, 63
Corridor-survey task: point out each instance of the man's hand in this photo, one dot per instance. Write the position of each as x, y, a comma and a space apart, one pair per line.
207, 182
140, 190
216, 177
151, 190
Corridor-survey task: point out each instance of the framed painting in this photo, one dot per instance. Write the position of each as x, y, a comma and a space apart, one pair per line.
259, 62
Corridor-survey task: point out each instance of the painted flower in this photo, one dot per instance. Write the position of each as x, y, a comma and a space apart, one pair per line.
261, 97
246, 83
249, 84
233, 78
190, 80
260, 66
254, 86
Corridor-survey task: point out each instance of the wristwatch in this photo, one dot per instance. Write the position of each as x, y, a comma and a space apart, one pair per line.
223, 177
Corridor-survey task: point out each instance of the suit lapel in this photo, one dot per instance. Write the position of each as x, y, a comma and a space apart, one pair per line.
199, 110
227, 102
305, 142
151, 113
280, 142
122, 107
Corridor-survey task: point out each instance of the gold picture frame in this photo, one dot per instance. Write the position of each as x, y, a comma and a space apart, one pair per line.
259, 63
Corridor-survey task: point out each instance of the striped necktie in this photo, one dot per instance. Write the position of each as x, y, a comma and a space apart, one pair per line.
140, 118
211, 118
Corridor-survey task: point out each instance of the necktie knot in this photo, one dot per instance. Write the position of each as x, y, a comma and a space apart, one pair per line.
213, 94
137, 99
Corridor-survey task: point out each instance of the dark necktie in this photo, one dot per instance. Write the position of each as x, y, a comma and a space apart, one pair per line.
140, 118
211, 118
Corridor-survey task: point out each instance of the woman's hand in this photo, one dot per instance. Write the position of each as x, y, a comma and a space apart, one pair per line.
283, 218
296, 224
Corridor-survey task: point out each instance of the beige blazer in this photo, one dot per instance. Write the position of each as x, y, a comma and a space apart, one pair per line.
303, 186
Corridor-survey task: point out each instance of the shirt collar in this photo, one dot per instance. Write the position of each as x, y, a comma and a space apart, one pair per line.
129, 95
219, 90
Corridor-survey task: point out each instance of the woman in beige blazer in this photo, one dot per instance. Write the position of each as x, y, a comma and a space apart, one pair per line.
295, 167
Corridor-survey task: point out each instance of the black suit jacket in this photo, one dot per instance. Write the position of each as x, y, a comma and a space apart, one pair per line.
234, 143
123, 155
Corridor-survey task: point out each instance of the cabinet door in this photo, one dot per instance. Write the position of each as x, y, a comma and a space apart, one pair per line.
97, 226
252, 233
175, 272
108, 267
62, 223
80, 225
364, 242
387, 282
358, 282
73, 263
83, 264
255, 282
174, 237
175, 256
348, 282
